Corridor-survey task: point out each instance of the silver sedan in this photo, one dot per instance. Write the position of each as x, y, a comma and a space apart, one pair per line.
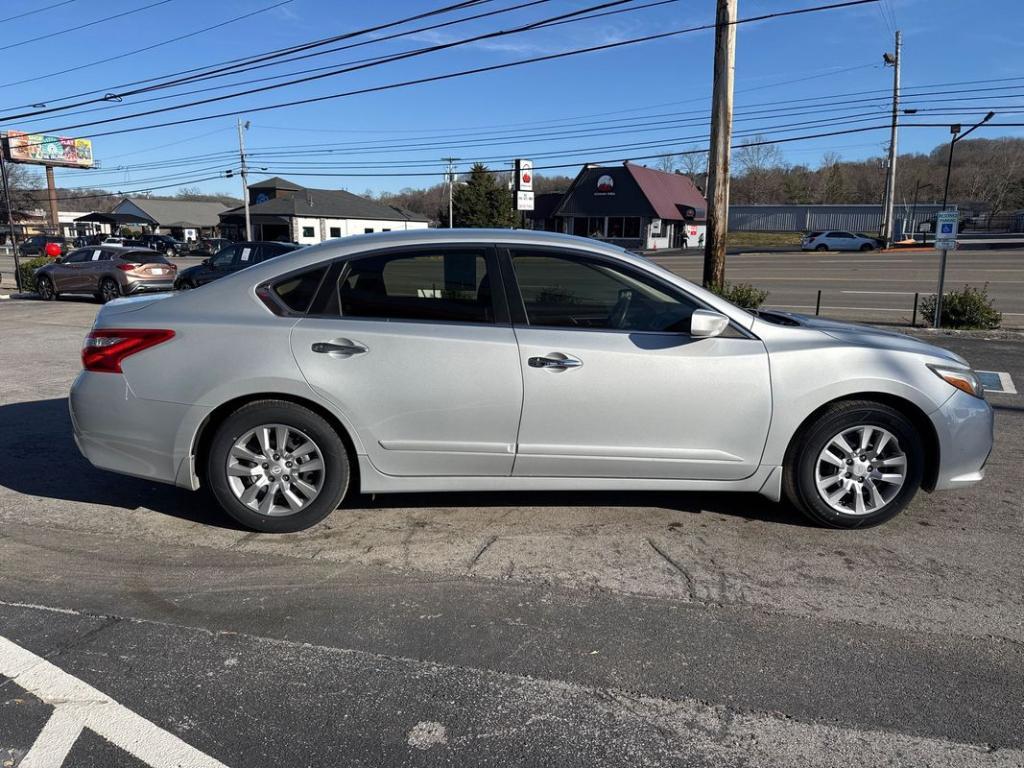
483, 360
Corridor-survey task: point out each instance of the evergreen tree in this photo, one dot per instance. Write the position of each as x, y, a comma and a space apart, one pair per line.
483, 201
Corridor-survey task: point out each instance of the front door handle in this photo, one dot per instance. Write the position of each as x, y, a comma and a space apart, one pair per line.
555, 361
339, 348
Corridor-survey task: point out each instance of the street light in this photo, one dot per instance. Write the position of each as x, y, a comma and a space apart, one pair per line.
957, 135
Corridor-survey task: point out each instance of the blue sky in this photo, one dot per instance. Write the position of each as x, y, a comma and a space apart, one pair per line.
597, 106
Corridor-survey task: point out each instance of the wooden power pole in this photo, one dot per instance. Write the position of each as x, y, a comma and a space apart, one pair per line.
721, 138
892, 60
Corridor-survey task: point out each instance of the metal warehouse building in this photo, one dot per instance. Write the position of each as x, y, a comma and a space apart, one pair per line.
810, 218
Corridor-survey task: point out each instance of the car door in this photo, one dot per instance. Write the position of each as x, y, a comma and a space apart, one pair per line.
414, 347
843, 241
614, 385
95, 268
219, 266
71, 274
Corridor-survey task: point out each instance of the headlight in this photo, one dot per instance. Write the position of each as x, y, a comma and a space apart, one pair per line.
963, 379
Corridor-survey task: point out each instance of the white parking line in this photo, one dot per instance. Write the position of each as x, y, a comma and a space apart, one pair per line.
78, 705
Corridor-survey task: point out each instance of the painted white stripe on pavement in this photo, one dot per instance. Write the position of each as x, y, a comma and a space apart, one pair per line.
55, 740
81, 703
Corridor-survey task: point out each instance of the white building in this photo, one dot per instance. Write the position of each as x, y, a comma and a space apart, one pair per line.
284, 211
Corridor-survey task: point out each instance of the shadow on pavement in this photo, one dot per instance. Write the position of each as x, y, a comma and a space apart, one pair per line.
42, 429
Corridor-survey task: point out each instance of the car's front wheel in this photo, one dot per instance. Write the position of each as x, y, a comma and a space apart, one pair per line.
45, 289
277, 467
858, 464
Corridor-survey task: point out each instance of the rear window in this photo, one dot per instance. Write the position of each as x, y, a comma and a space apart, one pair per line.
143, 257
297, 291
812, 235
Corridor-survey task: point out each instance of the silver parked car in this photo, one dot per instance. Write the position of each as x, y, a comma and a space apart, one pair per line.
498, 360
836, 240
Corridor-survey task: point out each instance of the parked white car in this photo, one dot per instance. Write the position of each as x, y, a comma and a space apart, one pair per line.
837, 240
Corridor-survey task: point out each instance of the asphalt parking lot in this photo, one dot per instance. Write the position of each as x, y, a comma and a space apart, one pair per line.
590, 629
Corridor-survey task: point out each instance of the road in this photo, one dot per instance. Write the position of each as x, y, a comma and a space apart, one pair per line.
514, 629
872, 287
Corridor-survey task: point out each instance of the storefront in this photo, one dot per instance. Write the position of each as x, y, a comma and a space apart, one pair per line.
634, 206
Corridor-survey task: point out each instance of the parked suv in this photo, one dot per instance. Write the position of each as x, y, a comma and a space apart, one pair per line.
36, 245
164, 244
836, 240
107, 272
228, 261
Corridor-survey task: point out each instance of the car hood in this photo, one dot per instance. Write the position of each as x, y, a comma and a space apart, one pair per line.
864, 335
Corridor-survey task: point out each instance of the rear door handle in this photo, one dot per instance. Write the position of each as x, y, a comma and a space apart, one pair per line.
339, 348
555, 361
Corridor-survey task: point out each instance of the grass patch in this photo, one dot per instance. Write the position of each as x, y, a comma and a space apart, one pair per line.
763, 239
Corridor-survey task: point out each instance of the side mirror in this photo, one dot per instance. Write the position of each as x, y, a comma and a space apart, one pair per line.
206, 262
705, 324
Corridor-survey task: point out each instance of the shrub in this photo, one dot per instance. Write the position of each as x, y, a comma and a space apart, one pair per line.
743, 295
967, 308
28, 280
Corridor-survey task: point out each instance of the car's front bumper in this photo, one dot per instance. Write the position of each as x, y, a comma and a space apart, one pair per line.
117, 431
965, 428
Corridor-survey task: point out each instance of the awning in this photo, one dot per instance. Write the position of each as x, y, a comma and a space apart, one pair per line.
114, 218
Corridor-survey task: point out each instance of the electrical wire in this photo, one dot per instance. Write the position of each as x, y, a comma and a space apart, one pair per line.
37, 10
78, 28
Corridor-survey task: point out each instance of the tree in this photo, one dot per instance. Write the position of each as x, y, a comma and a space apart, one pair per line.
761, 170
483, 201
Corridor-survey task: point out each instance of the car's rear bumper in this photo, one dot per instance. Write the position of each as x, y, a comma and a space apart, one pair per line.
117, 431
965, 428
144, 286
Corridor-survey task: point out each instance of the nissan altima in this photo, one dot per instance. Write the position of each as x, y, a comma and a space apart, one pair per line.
496, 360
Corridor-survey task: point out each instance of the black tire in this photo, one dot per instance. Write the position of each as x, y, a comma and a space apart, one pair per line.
185, 285
798, 478
336, 473
44, 287
821, 247
109, 290
867, 247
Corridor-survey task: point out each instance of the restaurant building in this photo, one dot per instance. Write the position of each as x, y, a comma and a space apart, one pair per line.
632, 206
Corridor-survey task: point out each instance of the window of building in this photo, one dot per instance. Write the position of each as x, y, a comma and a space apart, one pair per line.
368, 231
614, 226
595, 226
568, 291
631, 226
386, 229
335, 231
308, 232
430, 286
579, 226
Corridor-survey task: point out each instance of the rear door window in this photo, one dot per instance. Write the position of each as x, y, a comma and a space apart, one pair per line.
430, 285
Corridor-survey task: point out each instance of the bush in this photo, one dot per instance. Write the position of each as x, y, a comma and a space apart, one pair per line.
28, 280
743, 295
967, 308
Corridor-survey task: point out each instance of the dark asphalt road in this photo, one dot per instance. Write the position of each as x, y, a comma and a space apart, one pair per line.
525, 629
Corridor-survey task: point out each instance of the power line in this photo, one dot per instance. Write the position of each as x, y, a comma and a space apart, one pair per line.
453, 75
79, 27
37, 10
148, 47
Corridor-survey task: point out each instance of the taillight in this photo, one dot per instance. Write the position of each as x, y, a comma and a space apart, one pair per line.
105, 349
127, 267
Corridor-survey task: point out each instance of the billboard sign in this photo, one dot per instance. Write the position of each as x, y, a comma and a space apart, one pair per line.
524, 175
39, 149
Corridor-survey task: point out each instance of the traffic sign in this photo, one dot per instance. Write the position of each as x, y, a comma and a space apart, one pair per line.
946, 230
524, 200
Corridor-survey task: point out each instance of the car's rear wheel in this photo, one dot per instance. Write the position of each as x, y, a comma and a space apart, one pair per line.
858, 464
821, 247
867, 247
109, 290
277, 467
45, 289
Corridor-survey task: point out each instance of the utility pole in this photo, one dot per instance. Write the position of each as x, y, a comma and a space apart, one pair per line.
242, 127
10, 214
450, 175
892, 60
721, 138
51, 194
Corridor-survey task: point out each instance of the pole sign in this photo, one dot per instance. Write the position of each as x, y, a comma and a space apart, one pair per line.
945, 230
524, 178
39, 149
524, 200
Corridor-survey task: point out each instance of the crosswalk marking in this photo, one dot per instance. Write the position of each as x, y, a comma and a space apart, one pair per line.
78, 705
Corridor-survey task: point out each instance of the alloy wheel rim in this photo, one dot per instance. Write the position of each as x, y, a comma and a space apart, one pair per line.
275, 470
860, 470
109, 291
44, 288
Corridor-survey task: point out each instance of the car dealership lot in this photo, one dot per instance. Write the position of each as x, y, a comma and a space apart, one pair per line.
541, 628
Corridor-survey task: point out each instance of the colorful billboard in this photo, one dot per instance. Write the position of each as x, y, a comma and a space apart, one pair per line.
38, 149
